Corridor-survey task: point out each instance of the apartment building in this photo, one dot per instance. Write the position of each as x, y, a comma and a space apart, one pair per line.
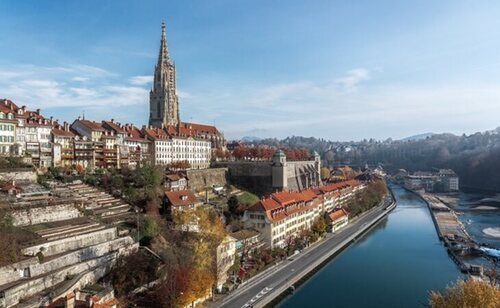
106, 144
7, 130
63, 145
171, 145
283, 215
444, 180
138, 145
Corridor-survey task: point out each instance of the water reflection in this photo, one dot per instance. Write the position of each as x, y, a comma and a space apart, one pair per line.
394, 265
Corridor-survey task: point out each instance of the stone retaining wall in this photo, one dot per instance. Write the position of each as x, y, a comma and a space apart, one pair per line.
18, 174
72, 243
81, 255
198, 180
49, 213
32, 286
14, 271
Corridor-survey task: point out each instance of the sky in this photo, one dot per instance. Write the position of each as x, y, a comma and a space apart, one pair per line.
340, 70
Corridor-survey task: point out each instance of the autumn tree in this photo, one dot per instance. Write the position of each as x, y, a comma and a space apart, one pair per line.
132, 271
220, 154
179, 165
319, 226
470, 293
367, 198
325, 173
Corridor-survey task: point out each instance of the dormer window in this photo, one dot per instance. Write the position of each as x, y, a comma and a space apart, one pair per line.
2, 115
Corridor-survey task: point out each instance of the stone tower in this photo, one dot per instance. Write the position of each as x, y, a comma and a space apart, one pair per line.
279, 171
163, 99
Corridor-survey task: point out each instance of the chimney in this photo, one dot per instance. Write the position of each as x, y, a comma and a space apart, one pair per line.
23, 108
38, 111
112, 120
66, 126
79, 118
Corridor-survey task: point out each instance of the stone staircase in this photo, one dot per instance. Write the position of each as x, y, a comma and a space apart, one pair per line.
98, 203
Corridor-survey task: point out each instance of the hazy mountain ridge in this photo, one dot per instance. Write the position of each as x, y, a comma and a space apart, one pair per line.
418, 137
475, 157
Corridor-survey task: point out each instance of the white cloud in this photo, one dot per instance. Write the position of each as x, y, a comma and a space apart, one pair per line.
352, 78
61, 86
83, 91
326, 109
337, 109
80, 79
141, 80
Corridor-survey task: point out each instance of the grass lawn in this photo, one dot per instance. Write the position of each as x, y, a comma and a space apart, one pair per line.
247, 198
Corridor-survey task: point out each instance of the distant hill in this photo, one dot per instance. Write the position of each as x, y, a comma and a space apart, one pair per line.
249, 139
418, 137
475, 158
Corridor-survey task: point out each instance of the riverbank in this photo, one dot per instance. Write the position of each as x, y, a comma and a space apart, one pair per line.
263, 291
302, 277
395, 264
461, 247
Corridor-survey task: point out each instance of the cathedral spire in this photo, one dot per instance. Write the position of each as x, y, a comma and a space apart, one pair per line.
163, 99
163, 55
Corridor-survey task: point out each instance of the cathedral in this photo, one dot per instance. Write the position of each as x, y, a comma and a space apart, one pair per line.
163, 99
164, 111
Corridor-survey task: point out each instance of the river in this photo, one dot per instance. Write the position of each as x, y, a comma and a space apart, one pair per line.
393, 265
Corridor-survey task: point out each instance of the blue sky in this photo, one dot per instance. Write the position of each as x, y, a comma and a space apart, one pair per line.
342, 70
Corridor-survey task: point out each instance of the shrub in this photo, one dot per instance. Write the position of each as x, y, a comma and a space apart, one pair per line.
470, 293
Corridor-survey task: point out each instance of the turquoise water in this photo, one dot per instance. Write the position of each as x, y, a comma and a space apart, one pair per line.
478, 222
394, 265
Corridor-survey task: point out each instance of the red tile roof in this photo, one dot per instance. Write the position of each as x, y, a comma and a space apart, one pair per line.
134, 133
340, 185
173, 177
181, 197
92, 125
282, 204
58, 131
276, 207
114, 126
201, 128
338, 214
157, 133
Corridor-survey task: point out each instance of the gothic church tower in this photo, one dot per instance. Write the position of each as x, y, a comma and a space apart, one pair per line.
163, 99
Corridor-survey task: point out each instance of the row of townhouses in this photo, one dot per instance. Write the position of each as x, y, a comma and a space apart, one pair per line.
443, 180
109, 144
106, 144
283, 215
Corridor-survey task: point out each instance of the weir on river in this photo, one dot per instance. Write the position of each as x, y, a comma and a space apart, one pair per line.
396, 264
